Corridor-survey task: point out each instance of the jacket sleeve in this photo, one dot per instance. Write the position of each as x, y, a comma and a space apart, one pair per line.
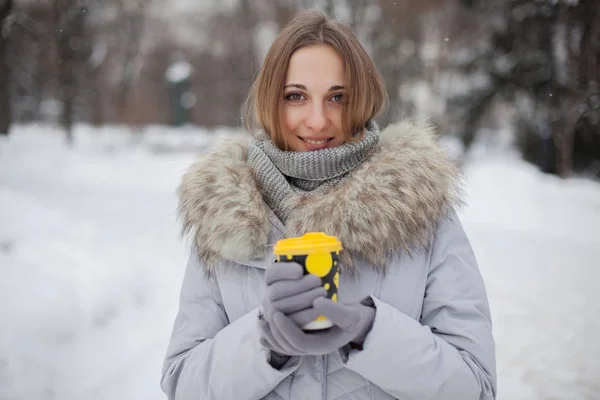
210, 358
450, 353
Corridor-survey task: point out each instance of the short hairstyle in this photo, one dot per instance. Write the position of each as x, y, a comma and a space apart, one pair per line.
366, 96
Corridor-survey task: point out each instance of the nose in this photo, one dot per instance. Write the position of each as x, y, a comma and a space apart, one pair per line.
317, 120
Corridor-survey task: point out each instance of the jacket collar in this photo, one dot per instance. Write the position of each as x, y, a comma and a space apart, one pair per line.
392, 202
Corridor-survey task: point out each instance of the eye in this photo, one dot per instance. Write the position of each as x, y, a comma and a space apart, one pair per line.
338, 98
294, 97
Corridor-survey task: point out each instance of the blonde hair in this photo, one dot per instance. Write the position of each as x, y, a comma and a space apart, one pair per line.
366, 95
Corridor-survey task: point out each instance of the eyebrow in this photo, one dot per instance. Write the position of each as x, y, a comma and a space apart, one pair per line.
299, 86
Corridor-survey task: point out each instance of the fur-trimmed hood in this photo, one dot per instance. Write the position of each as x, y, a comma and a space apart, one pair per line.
392, 202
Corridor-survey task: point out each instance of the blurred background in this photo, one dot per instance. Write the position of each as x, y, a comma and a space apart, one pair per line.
104, 104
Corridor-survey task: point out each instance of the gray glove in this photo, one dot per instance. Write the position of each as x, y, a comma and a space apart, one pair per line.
292, 293
352, 323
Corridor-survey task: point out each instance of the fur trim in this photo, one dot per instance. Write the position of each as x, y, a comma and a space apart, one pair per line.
221, 206
392, 202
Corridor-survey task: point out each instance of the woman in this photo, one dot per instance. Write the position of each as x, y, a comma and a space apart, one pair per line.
412, 321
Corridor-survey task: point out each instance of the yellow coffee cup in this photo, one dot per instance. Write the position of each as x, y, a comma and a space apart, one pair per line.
318, 254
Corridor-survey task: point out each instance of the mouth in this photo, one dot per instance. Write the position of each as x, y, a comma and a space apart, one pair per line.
315, 142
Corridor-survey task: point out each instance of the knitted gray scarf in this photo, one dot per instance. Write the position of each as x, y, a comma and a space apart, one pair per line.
282, 174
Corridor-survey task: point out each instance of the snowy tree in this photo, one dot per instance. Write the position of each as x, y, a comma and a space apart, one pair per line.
542, 57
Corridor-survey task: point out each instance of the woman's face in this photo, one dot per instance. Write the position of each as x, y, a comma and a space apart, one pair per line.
313, 99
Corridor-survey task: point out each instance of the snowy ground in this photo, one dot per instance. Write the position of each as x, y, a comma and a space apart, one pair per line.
91, 263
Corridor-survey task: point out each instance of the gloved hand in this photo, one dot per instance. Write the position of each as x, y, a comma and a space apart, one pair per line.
291, 293
351, 325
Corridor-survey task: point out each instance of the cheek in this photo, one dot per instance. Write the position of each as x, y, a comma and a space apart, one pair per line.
292, 118
336, 118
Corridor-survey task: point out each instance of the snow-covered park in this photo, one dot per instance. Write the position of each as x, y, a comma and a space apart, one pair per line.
91, 263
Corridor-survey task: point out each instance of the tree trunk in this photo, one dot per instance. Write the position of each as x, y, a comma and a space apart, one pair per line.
563, 133
66, 89
5, 104
96, 103
570, 104
247, 70
69, 31
134, 22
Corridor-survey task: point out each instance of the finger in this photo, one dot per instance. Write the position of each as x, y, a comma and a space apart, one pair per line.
265, 343
282, 341
300, 301
303, 317
343, 316
286, 288
267, 339
279, 271
293, 334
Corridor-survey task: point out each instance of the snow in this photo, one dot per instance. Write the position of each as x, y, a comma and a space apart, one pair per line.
536, 238
91, 264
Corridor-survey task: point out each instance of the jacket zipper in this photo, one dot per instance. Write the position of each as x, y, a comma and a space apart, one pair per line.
323, 362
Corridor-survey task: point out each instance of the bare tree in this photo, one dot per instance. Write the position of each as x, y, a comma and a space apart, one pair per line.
5, 102
69, 33
132, 24
393, 29
29, 59
584, 67
233, 68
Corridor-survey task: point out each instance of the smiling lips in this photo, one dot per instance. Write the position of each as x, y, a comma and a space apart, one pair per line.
316, 141
313, 144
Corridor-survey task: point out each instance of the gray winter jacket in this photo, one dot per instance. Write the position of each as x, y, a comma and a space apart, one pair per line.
405, 247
